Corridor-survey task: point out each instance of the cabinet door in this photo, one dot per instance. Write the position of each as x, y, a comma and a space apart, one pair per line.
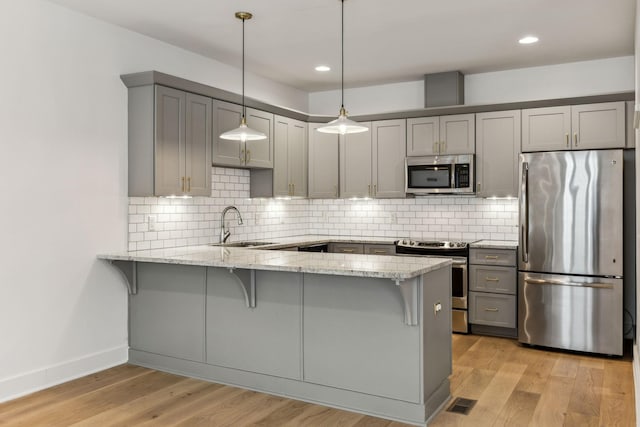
457, 134
198, 145
226, 116
497, 149
346, 248
388, 150
323, 164
169, 142
281, 184
355, 164
260, 153
423, 136
298, 158
492, 309
546, 129
598, 125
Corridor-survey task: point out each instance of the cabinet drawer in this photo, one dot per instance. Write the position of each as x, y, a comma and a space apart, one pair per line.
492, 257
492, 309
380, 249
346, 248
492, 279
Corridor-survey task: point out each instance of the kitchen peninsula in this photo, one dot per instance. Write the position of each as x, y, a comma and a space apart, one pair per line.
361, 332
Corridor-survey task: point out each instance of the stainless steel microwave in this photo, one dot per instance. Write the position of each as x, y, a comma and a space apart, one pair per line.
440, 174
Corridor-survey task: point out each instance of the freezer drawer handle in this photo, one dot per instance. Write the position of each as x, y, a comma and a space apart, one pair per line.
562, 283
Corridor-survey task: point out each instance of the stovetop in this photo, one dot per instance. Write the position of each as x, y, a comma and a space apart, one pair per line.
432, 244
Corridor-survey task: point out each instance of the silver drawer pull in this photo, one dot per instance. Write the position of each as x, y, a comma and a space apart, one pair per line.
491, 279
491, 257
493, 310
347, 250
379, 251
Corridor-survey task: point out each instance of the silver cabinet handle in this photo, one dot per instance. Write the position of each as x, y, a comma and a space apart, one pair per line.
566, 283
189, 184
347, 250
379, 251
243, 157
435, 147
369, 190
575, 139
248, 157
566, 138
491, 279
491, 257
524, 212
443, 147
493, 310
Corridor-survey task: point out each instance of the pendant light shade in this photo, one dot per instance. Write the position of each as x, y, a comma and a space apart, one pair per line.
243, 132
342, 125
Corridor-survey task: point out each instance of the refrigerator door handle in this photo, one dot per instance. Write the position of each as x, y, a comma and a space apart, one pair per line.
524, 212
563, 283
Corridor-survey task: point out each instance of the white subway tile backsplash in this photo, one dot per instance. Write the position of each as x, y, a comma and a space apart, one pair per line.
181, 222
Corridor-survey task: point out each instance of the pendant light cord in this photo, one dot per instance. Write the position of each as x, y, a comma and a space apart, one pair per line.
244, 108
342, 60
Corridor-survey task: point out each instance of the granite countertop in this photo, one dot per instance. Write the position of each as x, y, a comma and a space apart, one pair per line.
495, 244
389, 267
282, 242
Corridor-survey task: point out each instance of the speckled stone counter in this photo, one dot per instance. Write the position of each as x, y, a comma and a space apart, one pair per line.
495, 244
395, 268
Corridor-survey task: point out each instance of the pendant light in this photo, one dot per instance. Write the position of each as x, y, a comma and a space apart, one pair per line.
243, 132
342, 125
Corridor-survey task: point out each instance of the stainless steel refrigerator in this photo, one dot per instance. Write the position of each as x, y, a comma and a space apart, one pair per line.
571, 247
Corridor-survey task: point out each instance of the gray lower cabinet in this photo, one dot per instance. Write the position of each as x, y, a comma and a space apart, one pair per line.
272, 329
249, 154
497, 150
338, 354
323, 164
493, 291
346, 248
169, 142
165, 318
379, 249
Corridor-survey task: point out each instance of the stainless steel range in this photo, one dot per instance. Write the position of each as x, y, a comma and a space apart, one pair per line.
459, 253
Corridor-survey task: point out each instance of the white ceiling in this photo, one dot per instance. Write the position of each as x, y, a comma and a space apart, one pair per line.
385, 41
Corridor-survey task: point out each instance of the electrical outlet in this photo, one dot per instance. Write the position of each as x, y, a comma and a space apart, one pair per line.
152, 220
437, 307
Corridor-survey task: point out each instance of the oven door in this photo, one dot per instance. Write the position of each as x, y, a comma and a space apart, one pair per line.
459, 283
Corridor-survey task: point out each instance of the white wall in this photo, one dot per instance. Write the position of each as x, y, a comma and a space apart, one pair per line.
524, 84
63, 180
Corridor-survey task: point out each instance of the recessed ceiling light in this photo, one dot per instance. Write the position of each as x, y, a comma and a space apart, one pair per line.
323, 68
528, 40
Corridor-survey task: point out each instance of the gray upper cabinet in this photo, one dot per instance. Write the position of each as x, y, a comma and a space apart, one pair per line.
497, 150
423, 136
450, 135
598, 125
169, 142
290, 157
355, 164
323, 164
388, 154
198, 145
372, 163
577, 127
258, 154
457, 134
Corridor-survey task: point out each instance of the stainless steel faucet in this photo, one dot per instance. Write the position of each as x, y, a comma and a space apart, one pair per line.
224, 233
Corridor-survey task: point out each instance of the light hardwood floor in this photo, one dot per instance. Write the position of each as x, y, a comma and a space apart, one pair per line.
513, 386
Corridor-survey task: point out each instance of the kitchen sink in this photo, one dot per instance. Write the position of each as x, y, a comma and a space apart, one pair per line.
244, 244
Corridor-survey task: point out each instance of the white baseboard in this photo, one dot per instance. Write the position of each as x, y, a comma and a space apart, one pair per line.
636, 379
29, 382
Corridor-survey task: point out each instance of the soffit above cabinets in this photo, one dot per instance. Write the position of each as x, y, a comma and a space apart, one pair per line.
384, 42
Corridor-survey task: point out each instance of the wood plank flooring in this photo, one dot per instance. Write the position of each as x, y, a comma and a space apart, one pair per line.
513, 386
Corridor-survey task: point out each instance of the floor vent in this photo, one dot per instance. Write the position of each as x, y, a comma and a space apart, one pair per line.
461, 405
